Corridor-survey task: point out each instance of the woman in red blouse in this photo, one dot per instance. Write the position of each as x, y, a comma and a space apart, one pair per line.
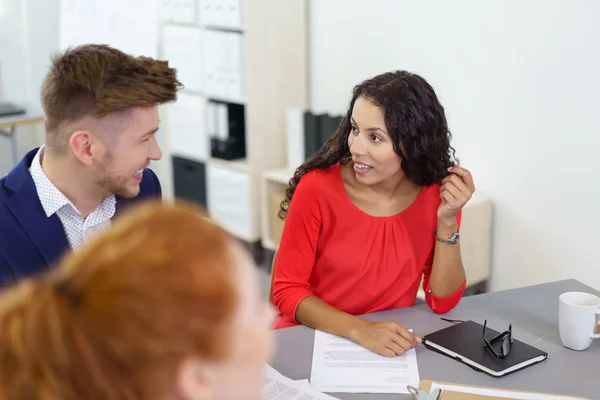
374, 212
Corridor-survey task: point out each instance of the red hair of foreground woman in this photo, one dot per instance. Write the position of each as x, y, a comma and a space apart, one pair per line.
163, 305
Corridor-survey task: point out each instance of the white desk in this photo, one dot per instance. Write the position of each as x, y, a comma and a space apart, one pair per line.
8, 127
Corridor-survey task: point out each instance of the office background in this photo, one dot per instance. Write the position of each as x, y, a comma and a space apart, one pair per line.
518, 80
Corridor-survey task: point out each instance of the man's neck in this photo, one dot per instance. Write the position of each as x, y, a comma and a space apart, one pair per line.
74, 182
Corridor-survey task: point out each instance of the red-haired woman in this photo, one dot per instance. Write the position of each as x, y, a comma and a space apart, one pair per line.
164, 305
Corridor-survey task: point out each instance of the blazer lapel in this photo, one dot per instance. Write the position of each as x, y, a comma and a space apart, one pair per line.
47, 234
122, 204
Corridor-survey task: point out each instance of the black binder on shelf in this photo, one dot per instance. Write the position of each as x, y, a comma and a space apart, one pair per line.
317, 129
312, 131
234, 146
328, 127
189, 180
464, 343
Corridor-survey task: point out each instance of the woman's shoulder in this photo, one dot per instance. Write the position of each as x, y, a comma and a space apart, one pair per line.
320, 178
433, 189
314, 187
429, 196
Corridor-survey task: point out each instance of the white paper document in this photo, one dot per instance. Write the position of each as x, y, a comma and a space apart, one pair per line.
505, 394
304, 383
278, 387
343, 366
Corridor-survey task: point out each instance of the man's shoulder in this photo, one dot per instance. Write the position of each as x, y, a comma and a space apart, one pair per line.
5, 192
3, 189
150, 185
17, 177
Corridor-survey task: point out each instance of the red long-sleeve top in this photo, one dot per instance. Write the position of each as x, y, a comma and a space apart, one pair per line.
353, 261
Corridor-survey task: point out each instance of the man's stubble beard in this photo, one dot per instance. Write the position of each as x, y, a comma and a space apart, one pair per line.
111, 182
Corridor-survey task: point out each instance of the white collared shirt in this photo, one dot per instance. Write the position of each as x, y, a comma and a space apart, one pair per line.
53, 201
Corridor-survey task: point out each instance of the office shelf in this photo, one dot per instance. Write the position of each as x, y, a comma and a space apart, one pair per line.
274, 78
241, 165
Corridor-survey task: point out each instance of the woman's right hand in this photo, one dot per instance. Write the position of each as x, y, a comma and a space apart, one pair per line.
386, 338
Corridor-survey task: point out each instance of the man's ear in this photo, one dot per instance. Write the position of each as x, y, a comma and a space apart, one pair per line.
81, 144
195, 380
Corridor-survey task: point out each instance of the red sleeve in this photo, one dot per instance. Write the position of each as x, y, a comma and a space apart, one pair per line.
441, 305
297, 248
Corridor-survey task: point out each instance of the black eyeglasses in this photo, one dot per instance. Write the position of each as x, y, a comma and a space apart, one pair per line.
505, 338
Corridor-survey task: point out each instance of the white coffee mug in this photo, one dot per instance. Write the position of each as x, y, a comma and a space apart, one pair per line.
577, 318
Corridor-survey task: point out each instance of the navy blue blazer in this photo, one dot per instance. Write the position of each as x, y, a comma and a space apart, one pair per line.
30, 242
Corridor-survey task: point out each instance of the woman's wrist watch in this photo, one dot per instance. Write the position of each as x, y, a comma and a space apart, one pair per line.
451, 240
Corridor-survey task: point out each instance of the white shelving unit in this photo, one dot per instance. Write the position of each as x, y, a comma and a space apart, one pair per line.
273, 78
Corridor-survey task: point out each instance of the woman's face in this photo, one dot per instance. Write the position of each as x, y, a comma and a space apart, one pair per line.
238, 377
252, 346
252, 336
371, 146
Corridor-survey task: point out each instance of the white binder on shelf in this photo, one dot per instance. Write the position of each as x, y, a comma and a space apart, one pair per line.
185, 11
222, 57
210, 62
223, 65
213, 13
222, 122
232, 14
211, 119
187, 127
129, 26
206, 11
166, 10
229, 199
218, 17
183, 47
295, 137
235, 76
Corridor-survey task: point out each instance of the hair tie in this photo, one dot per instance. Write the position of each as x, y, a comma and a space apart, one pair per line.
66, 291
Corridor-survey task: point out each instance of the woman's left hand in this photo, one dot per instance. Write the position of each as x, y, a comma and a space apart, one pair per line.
456, 190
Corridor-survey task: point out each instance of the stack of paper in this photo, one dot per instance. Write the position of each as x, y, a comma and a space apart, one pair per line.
279, 387
342, 366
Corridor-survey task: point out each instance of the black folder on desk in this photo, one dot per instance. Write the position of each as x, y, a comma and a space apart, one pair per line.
464, 342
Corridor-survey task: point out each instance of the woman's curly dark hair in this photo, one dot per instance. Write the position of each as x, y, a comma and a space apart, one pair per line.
414, 118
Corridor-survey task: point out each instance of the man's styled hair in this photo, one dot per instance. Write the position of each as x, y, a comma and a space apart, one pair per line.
96, 80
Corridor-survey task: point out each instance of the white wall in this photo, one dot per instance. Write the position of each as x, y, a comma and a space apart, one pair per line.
520, 81
28, 36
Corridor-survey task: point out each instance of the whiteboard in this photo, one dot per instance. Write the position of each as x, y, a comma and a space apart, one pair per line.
131, 26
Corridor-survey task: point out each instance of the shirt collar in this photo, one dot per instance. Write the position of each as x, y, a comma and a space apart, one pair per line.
51, 197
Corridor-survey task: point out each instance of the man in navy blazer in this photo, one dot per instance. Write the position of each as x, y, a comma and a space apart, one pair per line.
101, 109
